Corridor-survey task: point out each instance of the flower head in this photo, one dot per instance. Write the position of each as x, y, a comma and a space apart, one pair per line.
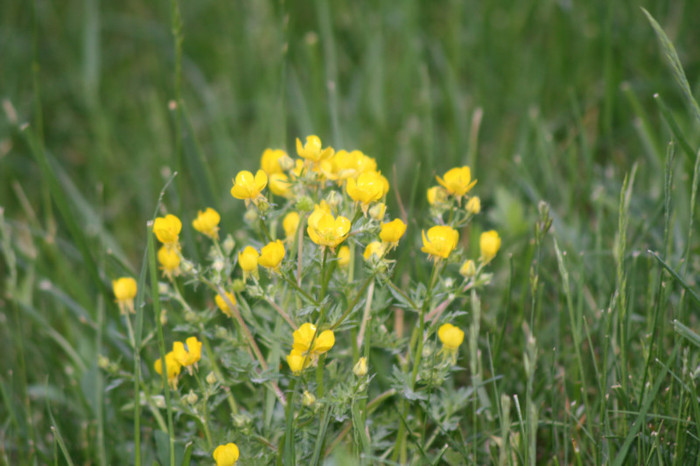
172, 368
249, 187
223, 305
489, 243
468, 269
308, 346
167, 230
367, 187
451, 338
124, 289
271, 255
290, 223
279, 185
376, 212
436, 195
248, 260
169, 260
343, 256
360, 368
207, 222
344, 165
190, 355
226, 455
440, 241
312, 150
270, 161
474, 205
392, 232
326, 230
457, 181
374, 250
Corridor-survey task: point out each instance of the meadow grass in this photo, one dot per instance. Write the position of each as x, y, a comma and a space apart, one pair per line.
588, 341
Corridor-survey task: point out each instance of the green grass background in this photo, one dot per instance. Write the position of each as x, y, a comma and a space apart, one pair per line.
565, 90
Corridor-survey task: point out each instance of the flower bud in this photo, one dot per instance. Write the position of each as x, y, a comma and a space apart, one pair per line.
191, 397
286, 162
474, 205
308, 399
305, 204
102, 362
333, 199
360, 369
250, 216
238, 285
229, 244
163, 317
211, 378
159, 401
218, 265
377, 211
468, 269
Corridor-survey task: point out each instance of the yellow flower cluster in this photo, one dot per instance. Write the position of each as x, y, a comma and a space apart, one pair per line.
179, 357
308, 346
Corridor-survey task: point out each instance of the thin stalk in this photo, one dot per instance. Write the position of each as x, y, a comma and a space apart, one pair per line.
366, 316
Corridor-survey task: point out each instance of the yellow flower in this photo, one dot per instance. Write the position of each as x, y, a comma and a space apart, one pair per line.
125, 291
343, 256
474, 205
226, 455
489, 243
290, 223
270, 161
306, 348
169, 261
360, 368
223, 305
271, 255
248, 187
312, 150
392, 232
376, 249
367, 187
326, 230
279, 184
451, 338
298, 169
440, 241
172, 367
248, 260
344, 165
207, 222
295, 361
437, 195
189, 356
468, 269
457, 181
167, 230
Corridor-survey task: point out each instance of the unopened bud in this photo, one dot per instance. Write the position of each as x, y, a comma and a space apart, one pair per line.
308, 399
229, 244
377, 211
211, 378
360, 369
474, 205
286, 162
250, 216
238, 285
218, 265
102, 362
333, 199
304, 204
163, 317
240, 419
191, 397
468, 269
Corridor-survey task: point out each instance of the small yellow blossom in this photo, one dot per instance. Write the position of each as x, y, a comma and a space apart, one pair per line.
279, 185
223, 305
326, 230
343, 256
344, 165
270, 161
489, 243
167, 230
295, 361
271, 255
226, 455
474, 205
189, 356
376, 212
392, 232
457, 181
169, 260
298, 169
367, 187
172, 367
437, 195
468, 268
125, 291
451, 338
440, 241
248, 260
312, 150
248, 186
290, 223
375, 249
360, 368
307, 346
207, 222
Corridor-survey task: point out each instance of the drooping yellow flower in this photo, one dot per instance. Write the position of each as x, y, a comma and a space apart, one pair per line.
167, 230
172, 368
169, 260
374, 250
248, 186
290, 223
451, 338
207, 222
190, 355
226, 455
367, 187
271, 255
223, 305
313, 150
392, 232
474, 205
457, 181
248, 260
307, 346
326, 230
270, 161
489, 243
360, 367
343, 256
440, 241
124, 289
279, 185
437, 195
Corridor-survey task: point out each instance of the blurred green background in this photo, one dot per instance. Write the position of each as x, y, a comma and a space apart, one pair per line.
559, 93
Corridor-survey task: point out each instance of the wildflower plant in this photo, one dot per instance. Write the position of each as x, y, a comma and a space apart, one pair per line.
276, 336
